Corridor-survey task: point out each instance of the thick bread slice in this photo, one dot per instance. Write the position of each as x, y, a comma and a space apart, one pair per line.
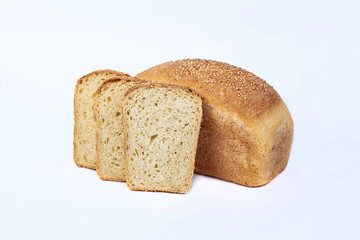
247, 130
84, 127
110, 164
161, 124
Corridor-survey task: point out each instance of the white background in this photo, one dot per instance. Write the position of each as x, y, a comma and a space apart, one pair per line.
308, 50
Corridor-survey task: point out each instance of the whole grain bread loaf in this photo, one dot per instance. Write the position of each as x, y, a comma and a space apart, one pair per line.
247, 130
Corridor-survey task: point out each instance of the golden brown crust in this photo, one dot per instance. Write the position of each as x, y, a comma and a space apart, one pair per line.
78, 83
282, 138
97, 72
115, 80
150, 85
97, 93
231, 150
238, 140
225, 148
236, 90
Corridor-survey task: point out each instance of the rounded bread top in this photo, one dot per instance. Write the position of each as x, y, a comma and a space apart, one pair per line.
228, 87
97, 72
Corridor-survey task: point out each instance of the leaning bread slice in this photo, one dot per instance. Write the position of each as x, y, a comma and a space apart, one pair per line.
84, 127
110, 164
162, 124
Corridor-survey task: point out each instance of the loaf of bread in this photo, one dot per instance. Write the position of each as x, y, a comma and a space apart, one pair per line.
84, 127
110, 164
247, 130
161, 124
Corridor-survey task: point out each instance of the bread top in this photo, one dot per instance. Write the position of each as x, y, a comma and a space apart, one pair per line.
85, 78
126, 77
149, 84
233, 89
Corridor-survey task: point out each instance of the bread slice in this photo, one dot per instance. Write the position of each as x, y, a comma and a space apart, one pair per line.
84, 127
161, 123
247, 130
110, 164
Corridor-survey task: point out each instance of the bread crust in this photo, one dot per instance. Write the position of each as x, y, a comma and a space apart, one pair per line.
238, 141
78, 83
97, 93
150, 85
237, 91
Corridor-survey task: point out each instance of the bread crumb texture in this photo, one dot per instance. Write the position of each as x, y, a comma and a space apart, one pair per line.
84, 128
162, 124
109, 128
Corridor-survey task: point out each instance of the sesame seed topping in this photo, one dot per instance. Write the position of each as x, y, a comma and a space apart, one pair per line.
221, 83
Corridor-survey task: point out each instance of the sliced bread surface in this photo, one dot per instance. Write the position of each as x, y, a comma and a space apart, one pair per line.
161, 124
110, 163
84, 126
